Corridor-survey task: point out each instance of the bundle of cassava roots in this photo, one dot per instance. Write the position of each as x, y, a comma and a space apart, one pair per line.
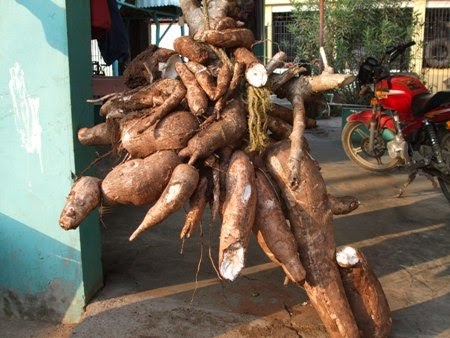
202, 131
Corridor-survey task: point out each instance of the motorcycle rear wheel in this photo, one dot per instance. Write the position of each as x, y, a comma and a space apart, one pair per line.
445, 185
354, 137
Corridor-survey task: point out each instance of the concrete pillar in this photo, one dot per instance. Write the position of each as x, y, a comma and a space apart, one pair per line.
46, 273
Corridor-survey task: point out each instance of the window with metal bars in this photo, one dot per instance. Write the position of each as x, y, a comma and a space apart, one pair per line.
282, 39
437, 38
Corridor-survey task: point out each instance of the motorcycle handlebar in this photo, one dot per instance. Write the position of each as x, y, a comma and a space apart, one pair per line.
395, 51
399, 48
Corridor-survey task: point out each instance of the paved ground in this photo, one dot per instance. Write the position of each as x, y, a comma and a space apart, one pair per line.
158, 287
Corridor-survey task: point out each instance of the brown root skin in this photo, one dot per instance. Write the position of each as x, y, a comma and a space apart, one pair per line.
96, 135
273, 233
327, 81
238, 214
238, 73
364, 293
172, 132
222, 23
225, 155
175, 92
213, 163
286, 114
277, 61
84, 197
195, 95
191, 49
280, 129
311, 222
204, 78
130, 100
282, 112
226, 131
197, 205
342, 205
181, 186
221, 9
295, 91
192, 14
296, 137
227, 38
139, 181
224, 77
161, 97
278, 81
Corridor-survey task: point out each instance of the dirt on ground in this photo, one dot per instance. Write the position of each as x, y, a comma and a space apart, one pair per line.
157, 286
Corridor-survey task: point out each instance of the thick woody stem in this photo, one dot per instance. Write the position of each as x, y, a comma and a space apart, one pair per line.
192, 14
296, 138
277, 61
311, 222
278, 80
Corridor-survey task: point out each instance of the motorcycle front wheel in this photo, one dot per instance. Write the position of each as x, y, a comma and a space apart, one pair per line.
355, 141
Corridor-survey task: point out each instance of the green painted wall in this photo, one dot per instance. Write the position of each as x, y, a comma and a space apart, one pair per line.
45, 71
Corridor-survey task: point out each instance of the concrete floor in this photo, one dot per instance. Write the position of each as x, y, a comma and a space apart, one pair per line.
159, 287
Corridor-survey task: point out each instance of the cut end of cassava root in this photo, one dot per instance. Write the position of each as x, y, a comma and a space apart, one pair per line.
233, 261
347, 257
256, 75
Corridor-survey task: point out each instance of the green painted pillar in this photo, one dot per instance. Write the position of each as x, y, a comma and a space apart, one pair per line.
46, 273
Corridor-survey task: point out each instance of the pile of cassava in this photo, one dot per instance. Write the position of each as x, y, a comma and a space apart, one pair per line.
202, 131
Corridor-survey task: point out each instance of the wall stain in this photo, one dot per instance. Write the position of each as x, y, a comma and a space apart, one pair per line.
26, 113
50, 305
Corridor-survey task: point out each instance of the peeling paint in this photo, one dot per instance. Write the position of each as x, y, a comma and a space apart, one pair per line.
26, 113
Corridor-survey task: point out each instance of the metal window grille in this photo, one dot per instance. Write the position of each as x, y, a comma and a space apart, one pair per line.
436, 54
282, 39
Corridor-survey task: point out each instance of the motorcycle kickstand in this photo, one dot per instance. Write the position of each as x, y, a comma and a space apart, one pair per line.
411, 177
431, 178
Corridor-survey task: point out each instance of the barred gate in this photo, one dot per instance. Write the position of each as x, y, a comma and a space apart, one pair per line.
282, 39
436, 45
436, 53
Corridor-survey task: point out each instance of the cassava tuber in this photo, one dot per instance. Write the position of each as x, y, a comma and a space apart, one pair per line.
139, 181
84, 197
238, 214
182, 183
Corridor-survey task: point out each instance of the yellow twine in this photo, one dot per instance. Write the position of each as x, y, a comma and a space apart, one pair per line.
258, 103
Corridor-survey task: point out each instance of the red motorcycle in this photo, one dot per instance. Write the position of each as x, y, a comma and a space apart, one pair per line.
407, 125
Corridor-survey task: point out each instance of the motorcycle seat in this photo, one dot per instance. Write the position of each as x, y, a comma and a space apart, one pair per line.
422, 103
